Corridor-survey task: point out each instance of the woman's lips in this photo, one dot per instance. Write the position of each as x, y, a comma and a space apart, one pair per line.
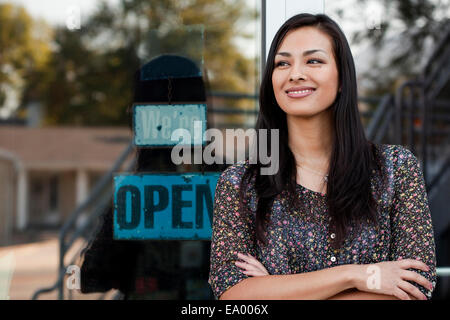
300, 94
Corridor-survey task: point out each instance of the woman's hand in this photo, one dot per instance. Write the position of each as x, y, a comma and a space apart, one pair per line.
390, 277
251, 266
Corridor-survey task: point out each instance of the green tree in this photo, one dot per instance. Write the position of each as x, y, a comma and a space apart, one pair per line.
90, 73
24, 48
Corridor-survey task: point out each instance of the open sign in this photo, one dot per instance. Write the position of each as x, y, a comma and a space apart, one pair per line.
164, 206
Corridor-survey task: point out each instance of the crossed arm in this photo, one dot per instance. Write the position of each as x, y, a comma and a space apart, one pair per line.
345, 282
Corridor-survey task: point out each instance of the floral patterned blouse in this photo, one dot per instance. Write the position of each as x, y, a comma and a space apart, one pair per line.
297, 243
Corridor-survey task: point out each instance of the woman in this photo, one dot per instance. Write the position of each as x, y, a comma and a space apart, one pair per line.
343, 218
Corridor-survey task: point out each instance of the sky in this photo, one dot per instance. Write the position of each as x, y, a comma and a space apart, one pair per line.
55, 11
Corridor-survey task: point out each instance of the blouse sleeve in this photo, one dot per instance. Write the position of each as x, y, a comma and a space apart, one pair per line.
232, 233
412, 230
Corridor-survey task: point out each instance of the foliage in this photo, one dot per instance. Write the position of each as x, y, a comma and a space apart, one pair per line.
401, 42
24, 48
89, 76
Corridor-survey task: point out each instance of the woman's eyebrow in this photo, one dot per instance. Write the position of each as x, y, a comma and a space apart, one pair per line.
305, 53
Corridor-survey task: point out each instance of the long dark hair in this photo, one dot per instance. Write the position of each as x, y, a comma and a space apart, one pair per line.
353, 159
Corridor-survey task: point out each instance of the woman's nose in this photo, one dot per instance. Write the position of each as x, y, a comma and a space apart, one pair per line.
297, 74
297, 77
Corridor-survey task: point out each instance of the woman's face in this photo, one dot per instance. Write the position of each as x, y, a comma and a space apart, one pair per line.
305, 81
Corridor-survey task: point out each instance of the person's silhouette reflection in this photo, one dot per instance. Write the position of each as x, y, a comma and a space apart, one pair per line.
150, 268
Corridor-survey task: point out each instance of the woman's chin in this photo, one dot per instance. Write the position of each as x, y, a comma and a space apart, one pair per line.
304, 111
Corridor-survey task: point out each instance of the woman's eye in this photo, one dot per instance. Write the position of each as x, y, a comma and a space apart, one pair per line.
281, 63
314, 60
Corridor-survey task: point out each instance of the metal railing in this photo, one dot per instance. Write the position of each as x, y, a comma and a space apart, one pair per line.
443, 272
379, 124
416, 117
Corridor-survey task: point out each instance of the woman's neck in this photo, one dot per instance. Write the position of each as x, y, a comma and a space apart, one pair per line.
310, 140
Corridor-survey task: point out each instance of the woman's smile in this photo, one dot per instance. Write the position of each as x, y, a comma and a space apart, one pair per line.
300, 93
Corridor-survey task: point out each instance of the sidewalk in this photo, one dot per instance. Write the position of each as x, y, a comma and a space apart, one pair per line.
35, 268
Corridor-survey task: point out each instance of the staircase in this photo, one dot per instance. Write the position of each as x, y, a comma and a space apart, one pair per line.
418, 117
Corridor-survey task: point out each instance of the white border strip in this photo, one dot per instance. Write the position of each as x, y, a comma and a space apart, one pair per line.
278, 11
